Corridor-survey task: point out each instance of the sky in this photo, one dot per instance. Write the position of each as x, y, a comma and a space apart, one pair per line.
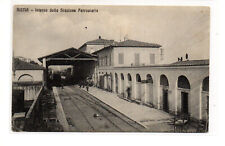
179, 30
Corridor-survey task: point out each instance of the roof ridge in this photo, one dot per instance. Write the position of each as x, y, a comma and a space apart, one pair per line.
136, 43
192, 62
100, 40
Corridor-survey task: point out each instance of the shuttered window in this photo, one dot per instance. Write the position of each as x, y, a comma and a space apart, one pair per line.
137, 59
152, 58
121, 58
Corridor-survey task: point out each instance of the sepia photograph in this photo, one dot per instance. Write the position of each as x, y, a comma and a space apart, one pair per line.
102, 68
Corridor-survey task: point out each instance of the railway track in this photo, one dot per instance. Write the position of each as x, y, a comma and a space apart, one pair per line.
101, 114
113, 120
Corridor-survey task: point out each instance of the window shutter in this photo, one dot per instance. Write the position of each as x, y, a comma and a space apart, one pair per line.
121, 58
152, 58
137, 59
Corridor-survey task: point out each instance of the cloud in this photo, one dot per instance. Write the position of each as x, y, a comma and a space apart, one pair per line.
177, 29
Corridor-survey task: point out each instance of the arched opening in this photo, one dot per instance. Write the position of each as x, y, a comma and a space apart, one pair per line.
205, 98
25, 78
105, 81
164, 81
164, 84
101, 81
116, 82
96, 79
149, 89
138, 87
122, 84
205, 84
129, 87
183, 89
149, 79
138, 78
183, 82
110, 82
129, 77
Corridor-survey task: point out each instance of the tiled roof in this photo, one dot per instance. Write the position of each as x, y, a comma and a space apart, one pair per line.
130, 43
100, 41
133, 43
188, 63
191, 63
22, 65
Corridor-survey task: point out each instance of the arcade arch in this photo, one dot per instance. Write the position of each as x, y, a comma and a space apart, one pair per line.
25, 78
122, 84
164, 85
138, 87
116, 83
183, 94
149, 89
129, 88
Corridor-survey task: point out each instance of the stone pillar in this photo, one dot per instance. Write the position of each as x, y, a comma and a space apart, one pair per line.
146, 88
200, 105
114, 83
204, 105
107, 77
119, 84
96, 77
122, 86
134, 85
195, 101
44, 62
105, 82
172, 96
125, 86
157, 89
45, 72
98, 80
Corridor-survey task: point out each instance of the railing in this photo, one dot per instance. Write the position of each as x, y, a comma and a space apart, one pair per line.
33, 115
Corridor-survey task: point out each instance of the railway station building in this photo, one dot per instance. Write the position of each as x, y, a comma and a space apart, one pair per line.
134, 70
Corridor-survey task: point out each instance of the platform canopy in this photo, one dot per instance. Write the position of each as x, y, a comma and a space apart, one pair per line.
68, 57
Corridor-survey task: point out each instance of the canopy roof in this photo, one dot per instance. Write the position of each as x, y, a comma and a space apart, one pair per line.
67, 57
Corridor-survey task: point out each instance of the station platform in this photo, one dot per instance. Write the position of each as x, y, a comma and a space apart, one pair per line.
153, 119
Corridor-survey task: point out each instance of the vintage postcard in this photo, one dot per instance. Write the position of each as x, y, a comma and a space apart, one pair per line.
100, 68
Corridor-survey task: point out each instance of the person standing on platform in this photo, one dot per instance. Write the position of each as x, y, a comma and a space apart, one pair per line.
128, 92
87, 87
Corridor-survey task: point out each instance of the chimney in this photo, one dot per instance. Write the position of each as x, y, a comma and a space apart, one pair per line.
99, 37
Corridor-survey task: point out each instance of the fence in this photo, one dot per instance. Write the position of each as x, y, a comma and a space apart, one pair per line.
33, 115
